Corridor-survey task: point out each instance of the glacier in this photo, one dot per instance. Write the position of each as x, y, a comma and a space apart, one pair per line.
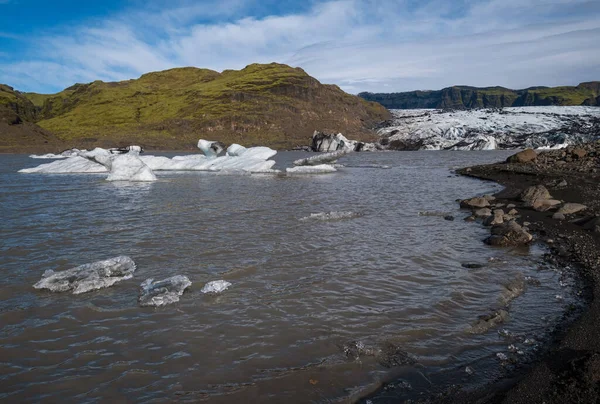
162, 293
488, 129
216, 286
88, 277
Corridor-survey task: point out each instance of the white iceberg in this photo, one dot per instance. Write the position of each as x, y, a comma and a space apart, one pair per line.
318, 169
321, 158
216, 286
121, 167
162, 293
210, 148
88, 277
71, 165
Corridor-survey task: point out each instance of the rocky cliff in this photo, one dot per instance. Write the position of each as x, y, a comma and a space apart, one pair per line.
462, 97
273, 105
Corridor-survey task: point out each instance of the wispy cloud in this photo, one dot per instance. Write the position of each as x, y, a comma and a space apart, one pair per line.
375, 45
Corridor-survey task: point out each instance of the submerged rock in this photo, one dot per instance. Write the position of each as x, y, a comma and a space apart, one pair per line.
216, 286
162, 293
488, 321
88, 277
508, 234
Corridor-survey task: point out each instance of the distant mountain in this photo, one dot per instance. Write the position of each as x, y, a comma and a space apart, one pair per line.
463, 97
273, 105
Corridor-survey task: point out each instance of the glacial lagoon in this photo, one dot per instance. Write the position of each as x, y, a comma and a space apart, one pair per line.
338, 284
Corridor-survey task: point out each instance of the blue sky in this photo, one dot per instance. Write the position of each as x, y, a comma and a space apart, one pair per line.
361, 45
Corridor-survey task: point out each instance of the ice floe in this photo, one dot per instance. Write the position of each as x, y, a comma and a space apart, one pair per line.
216, 286
71, 165
318, 169
321, 158
162, 293
327, 216
88, 277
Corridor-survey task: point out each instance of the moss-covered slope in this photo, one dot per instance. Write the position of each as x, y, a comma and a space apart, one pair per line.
273, 105
462, 97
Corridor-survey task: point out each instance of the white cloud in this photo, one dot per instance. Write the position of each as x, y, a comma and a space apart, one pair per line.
383, 45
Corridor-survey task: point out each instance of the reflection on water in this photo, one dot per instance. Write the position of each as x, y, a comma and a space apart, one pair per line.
318, 309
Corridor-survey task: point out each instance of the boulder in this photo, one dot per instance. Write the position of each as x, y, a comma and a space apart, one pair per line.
558, 216
570, 208
474, 203
513, 212
578, 153
508, 234
483, 212
524, 156
497, 218
531, 194
542, 205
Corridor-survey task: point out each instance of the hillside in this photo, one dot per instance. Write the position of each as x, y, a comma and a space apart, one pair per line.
17, 130
273, 105
463, 97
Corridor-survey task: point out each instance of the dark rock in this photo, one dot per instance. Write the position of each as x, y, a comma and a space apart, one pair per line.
531, 194
449, 218
474, 203
525, 156
508, 234
472, 265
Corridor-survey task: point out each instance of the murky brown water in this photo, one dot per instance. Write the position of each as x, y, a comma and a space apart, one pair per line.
305, 293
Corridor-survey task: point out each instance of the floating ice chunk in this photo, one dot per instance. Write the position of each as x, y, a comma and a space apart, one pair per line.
210, 148
216, 286
67, 166
321, 158
327, 216
319, 169
161, 293
121, 167
87, 277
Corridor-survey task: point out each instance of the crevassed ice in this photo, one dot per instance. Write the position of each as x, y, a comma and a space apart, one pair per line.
162, 293
88, 277
326, 216
216, 286
486, 129
318, 169
121, 167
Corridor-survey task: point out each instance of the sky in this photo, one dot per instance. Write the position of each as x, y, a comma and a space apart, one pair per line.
360, 45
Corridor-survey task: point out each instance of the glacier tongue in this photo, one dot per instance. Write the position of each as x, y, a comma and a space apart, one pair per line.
88, 277
162, 293
487, 129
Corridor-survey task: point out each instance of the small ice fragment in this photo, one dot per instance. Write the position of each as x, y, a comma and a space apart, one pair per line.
88, 277
469, 370
512, 348
501, 356
559, 297
318, 169
162, 293
529, 341
327, 216
216, 286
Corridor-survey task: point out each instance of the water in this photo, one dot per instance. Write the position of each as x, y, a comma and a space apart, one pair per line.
303, 289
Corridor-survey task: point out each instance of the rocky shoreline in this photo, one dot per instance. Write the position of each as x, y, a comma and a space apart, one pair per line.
557, 197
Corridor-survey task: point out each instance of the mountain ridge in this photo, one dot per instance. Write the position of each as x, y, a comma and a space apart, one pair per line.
468, 97
263, 104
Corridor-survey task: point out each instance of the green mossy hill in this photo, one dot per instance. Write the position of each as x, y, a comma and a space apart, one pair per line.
15, 107
463, 97
273, 105
18, 133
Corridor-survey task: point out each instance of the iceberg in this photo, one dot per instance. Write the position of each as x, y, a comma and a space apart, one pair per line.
321, 158
216, 286
88, 277
162, 293
121, 167
63, 155
71, 165
210, 148
318, 169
